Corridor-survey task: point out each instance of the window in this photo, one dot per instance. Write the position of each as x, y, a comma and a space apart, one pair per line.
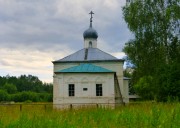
90, 44
85, 89
99, 90
71, 89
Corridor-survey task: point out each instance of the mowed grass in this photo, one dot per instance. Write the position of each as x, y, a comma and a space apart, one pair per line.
142, 115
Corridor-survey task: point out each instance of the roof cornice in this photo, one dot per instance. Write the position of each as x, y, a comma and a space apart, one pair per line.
92, 61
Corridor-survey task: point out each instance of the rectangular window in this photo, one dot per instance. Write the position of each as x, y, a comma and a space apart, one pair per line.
71, 90
99, 90
85, 89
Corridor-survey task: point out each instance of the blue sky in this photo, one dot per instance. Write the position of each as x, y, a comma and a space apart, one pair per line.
36, 32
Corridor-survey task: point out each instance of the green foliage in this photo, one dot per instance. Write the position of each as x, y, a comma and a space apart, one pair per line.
142, 115
169, 82
24, 88
4, 96
145, 84
156, 44
128, 73
10, 88
24, 96
32, 96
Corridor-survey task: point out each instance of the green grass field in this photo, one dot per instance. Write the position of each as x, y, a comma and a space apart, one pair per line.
142, 115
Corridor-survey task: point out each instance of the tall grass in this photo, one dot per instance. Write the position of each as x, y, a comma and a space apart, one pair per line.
144, 115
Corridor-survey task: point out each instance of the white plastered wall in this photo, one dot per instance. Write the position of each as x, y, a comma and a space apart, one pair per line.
92, 40
118, 68
83, 80
126, 90
114, 66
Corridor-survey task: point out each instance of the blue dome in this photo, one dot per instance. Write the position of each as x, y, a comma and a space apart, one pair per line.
90, 33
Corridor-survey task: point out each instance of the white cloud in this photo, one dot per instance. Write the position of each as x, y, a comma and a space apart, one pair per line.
36, 32
119, 55
35, 62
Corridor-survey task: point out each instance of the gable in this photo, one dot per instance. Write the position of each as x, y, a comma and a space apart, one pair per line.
85, 68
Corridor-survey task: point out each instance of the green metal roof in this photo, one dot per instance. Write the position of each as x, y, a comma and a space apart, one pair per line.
88, 68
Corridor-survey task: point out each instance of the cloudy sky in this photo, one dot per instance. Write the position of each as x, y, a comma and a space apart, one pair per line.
35, 32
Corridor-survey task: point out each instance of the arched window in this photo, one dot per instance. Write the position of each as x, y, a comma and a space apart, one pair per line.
90, 44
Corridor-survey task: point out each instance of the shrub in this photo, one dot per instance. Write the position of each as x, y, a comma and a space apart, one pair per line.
144, 87
4, 96
10, 88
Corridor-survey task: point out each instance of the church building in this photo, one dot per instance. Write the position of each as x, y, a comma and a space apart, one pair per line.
89, 76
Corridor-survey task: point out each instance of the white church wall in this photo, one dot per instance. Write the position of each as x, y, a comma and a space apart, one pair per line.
114, 66
118, 68
126, 91
60, 66
87, 43
83, 80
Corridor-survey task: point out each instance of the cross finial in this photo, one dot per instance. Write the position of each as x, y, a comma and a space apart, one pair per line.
91, 13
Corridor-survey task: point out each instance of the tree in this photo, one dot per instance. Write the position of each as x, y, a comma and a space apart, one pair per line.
169, 82
24, 88
156, 26
10, 88
4, 95
144, 85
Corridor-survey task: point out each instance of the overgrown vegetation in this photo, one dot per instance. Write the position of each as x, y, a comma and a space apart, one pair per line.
24, 88
155, 49
142, 115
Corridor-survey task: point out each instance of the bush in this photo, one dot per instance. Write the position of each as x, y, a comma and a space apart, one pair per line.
144, 87
31, 96
45, 97
24, 96
10, 88
4, 96
28, 101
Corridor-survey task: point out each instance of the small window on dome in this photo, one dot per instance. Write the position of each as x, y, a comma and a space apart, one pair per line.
90, 44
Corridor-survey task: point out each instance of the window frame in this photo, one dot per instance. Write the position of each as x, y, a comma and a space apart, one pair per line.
99, 90
71, 90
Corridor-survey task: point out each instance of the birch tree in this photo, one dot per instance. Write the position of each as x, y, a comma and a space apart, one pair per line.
156, 28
